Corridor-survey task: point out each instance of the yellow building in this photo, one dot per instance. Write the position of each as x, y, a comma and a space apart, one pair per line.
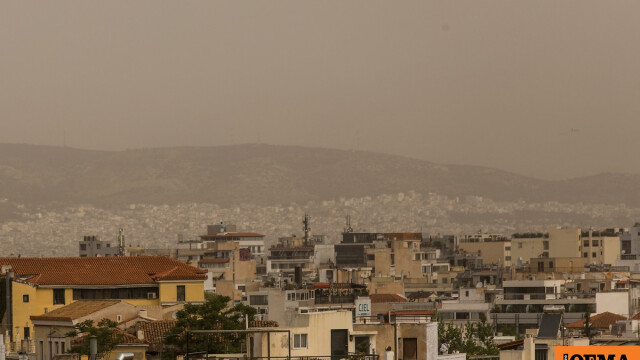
40, 285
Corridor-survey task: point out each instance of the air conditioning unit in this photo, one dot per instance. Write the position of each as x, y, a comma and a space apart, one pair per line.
152, 295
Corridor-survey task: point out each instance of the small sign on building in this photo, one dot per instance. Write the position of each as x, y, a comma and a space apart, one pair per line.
363, 306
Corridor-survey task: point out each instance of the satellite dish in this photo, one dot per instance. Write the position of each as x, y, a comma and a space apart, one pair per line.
479, 285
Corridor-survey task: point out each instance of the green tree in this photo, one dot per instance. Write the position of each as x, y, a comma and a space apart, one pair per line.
473, 339
483, 331
588, 326
106, 333
213, 314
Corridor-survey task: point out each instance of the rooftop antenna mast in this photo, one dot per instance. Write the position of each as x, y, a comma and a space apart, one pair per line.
307, 227
348, 228
121, 242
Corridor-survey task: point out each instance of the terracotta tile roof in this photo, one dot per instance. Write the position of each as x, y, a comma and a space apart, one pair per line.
635, 317
600, 321
420, 295
129, 339
75, 310
125, 338
384, 298
102, 270
154, 331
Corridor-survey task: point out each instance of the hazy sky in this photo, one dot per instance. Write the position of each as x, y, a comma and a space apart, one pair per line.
549, 89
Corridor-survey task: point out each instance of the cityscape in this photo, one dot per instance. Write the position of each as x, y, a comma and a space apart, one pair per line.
319, 180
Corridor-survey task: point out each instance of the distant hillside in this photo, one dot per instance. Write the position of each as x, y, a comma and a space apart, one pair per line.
264, 175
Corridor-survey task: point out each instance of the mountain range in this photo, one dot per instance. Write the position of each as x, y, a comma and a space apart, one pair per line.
267, 175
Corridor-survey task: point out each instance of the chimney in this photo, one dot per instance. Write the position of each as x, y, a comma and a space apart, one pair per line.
142, 313
140, 335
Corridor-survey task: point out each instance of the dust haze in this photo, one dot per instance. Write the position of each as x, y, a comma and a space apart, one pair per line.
547, 89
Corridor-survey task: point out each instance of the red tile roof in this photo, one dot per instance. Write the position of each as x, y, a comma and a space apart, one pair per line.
600, 321
385, 298
75, 310
154, 332
102, 270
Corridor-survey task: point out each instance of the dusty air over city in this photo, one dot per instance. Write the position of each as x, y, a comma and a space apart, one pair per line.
359, 180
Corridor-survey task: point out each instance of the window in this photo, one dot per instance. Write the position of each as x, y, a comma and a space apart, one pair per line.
180, 296
585, 243
58, 296
444, 280
593, 254
83, 247
25, 298
519, 245
27, 332
585, 255
98, 246
550, 264
507, 248
299, 341
545, 245
258, 300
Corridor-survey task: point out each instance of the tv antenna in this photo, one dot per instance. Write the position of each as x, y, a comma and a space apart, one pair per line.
306, 222
348, 228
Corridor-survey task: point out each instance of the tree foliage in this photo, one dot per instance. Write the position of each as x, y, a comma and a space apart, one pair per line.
213, 314
588, 326
106, 333
472, 339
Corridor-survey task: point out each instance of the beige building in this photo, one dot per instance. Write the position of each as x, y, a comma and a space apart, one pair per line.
564, 242
50, 329
567, 243
600, 249
328, 333
492, 252
229, 270
525, 248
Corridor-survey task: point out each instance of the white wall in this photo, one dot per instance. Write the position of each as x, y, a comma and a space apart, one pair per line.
614, 302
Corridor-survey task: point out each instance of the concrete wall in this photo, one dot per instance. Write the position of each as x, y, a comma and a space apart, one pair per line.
564, 242
493, 252
527, 249
318, 328
614, 302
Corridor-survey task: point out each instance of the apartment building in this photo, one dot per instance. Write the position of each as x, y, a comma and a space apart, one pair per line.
40, 285
229, 269
228, 232
291, 253
524, 301
493, 248
92, 246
